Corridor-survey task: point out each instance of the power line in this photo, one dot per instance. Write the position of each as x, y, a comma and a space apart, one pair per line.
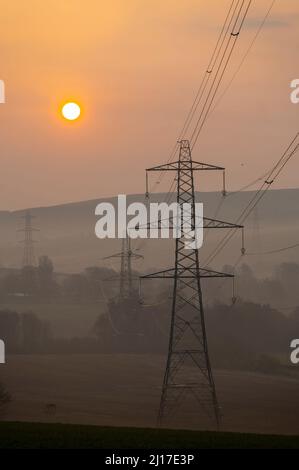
209, 70
272, 252
215, 55
260, 193
262, 24
247, 186
229, 19
225, 59
244, 188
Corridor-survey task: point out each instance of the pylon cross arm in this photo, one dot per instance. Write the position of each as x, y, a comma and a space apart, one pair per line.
182, 273
214, 223
208, 223
176, 166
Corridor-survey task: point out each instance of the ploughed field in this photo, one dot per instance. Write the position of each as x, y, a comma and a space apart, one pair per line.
124, 390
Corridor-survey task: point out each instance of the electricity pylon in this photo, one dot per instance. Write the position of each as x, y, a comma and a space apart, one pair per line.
188, 370
28, 230
125, 277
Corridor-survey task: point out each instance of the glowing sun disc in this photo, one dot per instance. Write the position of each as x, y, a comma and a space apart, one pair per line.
71, 111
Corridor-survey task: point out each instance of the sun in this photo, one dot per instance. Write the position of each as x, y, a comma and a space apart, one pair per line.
71, 111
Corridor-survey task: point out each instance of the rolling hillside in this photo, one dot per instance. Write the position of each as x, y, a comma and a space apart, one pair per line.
67, 232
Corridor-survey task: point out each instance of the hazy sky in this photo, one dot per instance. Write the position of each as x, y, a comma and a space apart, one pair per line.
135, 65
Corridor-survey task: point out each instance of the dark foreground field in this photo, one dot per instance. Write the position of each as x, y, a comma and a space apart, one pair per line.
66, 436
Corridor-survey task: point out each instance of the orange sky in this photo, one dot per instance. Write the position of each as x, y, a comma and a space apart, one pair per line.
135, 66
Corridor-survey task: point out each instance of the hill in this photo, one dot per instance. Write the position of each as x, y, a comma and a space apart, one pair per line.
67, 232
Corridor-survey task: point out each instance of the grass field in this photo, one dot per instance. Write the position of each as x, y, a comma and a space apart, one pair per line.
65, 436
123, 390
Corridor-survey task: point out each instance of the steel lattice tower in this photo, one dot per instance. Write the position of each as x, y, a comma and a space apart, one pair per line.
126, 256
188, 372
28, 252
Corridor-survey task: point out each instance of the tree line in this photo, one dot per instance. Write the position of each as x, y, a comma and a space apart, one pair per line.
43, 283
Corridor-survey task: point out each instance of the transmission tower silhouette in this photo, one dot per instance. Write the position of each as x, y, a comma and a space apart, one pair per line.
188, 373
28, 242
126, 256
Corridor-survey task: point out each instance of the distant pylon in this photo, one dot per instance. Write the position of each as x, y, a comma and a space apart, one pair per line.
188, 374
126, 289
28, 242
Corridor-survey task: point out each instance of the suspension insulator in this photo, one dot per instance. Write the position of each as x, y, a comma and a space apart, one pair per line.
243, 249
224, 184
